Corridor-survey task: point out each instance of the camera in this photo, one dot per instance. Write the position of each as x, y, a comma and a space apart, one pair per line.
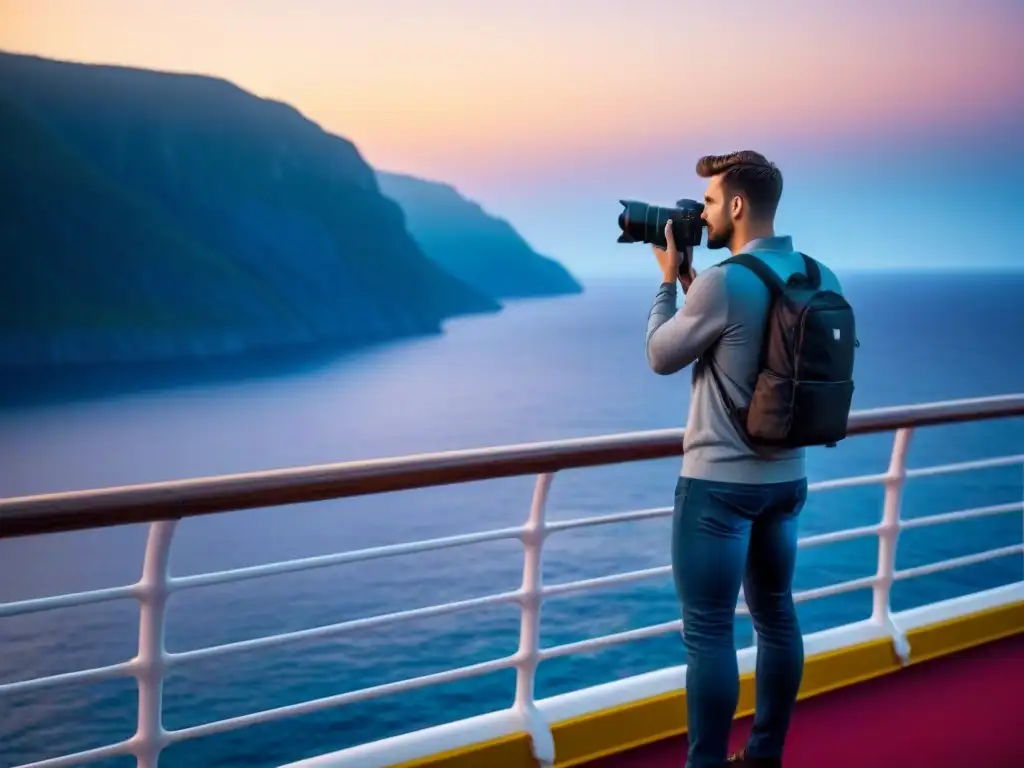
645, 223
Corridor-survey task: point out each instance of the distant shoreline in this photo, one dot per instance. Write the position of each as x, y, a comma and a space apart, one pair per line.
62, 384
58, 384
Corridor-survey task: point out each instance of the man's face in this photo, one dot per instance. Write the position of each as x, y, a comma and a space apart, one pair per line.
717, 214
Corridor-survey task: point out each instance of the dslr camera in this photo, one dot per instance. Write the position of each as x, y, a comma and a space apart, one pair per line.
645, 223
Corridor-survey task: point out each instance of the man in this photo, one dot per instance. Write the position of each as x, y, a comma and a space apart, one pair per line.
736, 508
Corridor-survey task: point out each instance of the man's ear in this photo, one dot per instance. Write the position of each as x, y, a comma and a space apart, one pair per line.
737, 206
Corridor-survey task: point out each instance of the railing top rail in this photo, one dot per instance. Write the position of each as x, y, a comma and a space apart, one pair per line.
77, 510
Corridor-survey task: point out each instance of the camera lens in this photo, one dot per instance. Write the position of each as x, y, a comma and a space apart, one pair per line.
642, 223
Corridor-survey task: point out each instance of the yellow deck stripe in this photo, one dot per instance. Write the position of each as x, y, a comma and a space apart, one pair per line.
617, 729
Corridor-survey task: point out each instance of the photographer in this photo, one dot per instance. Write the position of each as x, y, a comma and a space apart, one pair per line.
736, 504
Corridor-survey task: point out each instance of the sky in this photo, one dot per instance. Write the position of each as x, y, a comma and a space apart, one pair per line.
897, 126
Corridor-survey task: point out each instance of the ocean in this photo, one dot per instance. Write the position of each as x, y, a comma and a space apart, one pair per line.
542, 369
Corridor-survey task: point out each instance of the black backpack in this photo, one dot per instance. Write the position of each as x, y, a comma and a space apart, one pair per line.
805, 382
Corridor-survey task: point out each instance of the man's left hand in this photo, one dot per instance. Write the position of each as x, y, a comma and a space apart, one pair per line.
672, 262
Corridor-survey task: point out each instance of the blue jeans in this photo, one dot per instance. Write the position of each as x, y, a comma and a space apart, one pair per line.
725, 534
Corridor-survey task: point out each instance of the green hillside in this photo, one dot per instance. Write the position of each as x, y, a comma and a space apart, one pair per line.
164, 216
481, 249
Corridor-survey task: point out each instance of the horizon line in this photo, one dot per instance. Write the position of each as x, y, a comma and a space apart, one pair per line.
994, 269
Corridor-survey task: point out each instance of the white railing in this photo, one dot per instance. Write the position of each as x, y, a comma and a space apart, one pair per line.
153, 502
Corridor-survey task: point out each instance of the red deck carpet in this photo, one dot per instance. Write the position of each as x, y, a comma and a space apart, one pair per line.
961, 710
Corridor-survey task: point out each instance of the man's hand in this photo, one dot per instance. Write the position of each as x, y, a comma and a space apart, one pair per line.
675, 265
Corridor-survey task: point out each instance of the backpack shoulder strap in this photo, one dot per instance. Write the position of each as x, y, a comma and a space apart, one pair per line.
765, 273
813, 272
737, 415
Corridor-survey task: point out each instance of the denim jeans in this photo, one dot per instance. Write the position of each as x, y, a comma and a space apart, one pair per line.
725, 534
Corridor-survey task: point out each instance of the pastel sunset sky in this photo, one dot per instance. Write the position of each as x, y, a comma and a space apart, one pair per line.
898, 125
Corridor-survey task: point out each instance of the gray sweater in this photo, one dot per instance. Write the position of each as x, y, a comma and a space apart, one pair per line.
723, 319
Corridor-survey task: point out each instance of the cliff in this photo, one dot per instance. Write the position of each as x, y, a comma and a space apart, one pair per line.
480, 249
152, 216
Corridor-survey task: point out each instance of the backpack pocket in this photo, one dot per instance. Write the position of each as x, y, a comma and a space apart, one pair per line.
770, 412
820, 412
788, 413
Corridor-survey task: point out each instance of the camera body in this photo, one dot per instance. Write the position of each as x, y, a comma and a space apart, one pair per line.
645, 223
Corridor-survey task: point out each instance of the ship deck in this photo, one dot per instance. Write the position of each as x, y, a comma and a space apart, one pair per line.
953, 711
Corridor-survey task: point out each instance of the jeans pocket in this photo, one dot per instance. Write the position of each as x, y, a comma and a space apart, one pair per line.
747, 502
682, 486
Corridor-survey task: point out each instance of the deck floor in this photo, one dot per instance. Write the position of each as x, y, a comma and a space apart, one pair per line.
961, 710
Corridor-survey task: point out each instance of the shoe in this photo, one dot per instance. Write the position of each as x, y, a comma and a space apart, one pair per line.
740, 760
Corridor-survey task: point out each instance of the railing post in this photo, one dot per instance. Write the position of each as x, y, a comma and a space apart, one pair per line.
888, 538
149, 739
534, 534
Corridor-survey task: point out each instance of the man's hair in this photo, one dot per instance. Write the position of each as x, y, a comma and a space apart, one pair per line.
749, 174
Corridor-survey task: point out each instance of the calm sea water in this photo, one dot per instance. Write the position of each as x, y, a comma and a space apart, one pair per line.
540, 370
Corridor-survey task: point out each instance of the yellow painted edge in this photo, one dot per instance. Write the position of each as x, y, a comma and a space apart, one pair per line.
632, 725
954, 635
617, 729
503, 752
